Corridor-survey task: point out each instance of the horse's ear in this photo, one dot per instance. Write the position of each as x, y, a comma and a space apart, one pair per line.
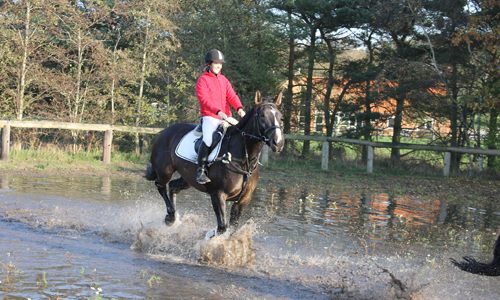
277, 101
258, 97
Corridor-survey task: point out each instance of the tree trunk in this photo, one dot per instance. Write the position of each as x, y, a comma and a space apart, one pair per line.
396, 135
22, 80
492, 139
367, 133
78, 75
329, 86
141, 89
368, 101
309, 86
455, 157
78, 97
336, 109
113, 82
288, 99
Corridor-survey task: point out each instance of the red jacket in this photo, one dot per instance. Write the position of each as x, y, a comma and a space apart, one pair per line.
215, 93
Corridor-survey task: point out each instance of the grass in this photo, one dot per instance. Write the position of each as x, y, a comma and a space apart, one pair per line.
53, 160
56, 154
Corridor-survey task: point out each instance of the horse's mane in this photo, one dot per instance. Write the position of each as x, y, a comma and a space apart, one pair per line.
234, 129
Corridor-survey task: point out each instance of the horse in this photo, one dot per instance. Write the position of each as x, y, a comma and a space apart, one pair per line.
473, 266
234, 173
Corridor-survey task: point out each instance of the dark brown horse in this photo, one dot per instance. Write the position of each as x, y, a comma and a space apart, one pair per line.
488, 269
234, 174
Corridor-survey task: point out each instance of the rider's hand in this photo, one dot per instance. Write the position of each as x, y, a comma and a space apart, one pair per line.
241, 112
222, 115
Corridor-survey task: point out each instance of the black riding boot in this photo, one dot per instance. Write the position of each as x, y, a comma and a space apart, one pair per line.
201, 172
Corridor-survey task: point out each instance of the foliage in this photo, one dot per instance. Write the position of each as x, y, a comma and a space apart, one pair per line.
137, 63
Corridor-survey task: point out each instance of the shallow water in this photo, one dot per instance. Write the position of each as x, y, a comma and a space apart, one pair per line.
73, 237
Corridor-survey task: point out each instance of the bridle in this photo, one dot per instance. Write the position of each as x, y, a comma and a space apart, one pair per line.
263, 136
226, 158
259, 126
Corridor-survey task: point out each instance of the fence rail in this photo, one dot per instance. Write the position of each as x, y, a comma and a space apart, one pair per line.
371, 145
108, 137
78, 126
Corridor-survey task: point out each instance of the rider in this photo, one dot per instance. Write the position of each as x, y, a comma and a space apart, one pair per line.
215, 93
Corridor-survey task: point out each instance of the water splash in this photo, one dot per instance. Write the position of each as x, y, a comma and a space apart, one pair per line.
234, 250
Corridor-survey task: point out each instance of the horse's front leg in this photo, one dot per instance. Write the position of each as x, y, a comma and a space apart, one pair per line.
170, 217
219, 205
238, 208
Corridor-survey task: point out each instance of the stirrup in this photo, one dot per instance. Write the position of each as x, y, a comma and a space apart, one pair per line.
201, 176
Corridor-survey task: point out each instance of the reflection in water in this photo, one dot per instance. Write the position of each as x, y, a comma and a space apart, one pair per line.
375, 216
4, 183
106, 186
298, 211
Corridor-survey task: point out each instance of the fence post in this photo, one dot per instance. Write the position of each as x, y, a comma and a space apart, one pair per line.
264, 155
447, 162
369, 160
108, 140
5, 143
325, 149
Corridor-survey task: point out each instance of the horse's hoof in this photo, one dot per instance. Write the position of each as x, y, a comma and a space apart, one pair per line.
210, 234
169, 219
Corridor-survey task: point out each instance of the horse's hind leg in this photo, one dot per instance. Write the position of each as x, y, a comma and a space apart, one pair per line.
170, 217
175, 187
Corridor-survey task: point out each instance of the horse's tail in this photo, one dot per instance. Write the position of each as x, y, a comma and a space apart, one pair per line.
473, 266
150, 173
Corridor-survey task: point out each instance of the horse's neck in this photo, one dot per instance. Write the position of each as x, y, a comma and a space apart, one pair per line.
252, 145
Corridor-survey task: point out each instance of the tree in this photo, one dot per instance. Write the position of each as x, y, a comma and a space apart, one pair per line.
439, 22
397, 22
155, 35
242, 31
483, 28
24, 39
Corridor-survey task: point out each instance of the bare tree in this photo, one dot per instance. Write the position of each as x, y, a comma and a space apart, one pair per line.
24, 38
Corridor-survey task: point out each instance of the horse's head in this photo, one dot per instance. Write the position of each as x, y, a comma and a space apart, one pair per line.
268, 120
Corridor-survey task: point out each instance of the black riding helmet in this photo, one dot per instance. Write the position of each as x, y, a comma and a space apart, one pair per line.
214, 55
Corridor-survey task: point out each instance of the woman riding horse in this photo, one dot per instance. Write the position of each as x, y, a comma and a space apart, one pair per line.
234, 174
214, 92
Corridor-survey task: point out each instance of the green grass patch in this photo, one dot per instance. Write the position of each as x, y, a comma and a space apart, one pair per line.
57, 155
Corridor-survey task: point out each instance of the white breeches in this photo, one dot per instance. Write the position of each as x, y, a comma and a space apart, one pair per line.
209, 126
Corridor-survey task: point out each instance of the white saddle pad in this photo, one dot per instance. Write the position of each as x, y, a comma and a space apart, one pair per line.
185, 149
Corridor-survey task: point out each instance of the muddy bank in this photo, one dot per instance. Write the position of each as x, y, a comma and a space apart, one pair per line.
36, 168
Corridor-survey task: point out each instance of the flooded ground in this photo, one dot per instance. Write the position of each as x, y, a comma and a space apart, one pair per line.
104, 238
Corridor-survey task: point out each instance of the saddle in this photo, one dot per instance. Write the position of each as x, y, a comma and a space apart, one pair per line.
188, 146
216, 136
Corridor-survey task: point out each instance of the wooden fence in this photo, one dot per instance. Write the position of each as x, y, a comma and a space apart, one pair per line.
108, 137
371, 145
